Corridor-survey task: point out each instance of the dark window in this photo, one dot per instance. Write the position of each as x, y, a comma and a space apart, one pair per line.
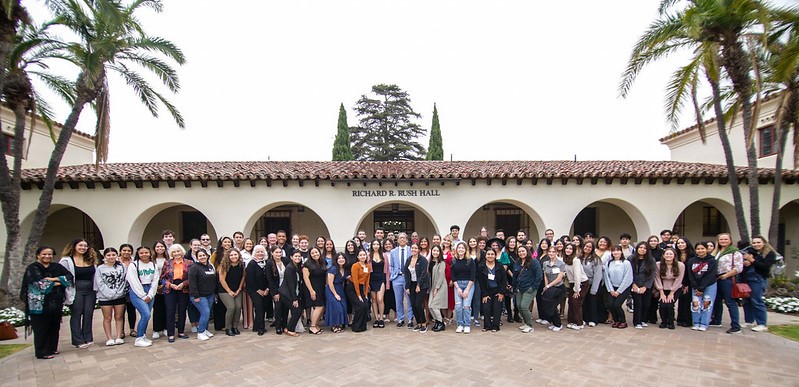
9, 144
91, 233
679, 225
273, 221
586, 222
395, 221
711, 221
510, 220
194, 224
768, 141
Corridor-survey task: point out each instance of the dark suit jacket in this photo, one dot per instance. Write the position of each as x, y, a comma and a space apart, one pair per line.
422, 274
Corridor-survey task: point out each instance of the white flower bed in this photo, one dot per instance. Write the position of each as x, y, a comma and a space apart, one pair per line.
13, 315
783, 304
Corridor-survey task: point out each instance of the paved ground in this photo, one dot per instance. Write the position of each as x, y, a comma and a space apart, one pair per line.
598, 356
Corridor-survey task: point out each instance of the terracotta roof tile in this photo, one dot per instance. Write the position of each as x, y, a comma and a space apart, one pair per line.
391, 170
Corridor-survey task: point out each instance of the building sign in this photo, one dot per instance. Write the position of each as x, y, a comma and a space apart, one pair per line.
364, 193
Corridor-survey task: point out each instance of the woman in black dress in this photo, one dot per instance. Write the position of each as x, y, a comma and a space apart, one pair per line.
43, 291
377, 283
314, 274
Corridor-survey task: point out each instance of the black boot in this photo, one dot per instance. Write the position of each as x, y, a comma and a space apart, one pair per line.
229, 332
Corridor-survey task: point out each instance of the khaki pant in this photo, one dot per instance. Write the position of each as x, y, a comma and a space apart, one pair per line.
233, 305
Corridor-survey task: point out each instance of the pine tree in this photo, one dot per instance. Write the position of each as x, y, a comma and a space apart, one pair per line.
435, 149
341, 146
386, 130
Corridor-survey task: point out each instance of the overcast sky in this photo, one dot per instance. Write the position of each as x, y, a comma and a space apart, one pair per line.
512, 80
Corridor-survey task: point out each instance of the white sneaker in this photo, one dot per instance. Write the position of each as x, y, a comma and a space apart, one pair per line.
569, 325
460, 329
542, 322
538, 320
110, 343
523, 326
119, 341
202, 336
639, 326
592, 324
643, 324
156, 335
749, 325
142, 342
146, 339
702, 329
467, 329
193, 329
575, 327
207, 333
760, 328
556, 329
527, 329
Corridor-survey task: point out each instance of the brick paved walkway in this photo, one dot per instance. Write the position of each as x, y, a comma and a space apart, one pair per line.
598, 356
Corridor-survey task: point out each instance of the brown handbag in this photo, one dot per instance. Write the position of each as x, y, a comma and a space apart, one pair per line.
740, 290
7, 331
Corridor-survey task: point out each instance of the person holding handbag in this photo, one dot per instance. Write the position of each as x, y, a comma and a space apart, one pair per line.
730, 264
757, 269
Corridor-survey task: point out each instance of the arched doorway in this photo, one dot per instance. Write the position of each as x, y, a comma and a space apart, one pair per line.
398, 217
185, 221
609, 218
787, 242
293, 218
66, 223
703, 220
505, 216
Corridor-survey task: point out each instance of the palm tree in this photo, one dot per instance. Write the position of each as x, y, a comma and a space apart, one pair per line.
110, 40
33, 48
684, 30
782, 67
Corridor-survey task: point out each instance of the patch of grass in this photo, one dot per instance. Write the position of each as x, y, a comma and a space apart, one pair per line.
10, 349
787, 331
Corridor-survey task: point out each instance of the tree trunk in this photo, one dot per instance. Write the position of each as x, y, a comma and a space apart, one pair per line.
46, 197
736, 63
787, 120
740, 216
9, 193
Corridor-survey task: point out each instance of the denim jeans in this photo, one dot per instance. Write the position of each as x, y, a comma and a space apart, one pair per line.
463, 306
755, 305
204, 306
144, 309
725, 288
701, 316
398, 284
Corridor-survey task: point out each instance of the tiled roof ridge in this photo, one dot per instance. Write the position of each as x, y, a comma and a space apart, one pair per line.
388, 170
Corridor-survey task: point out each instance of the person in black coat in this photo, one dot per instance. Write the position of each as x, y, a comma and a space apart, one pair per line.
493, 280
290, 295
258, 288
417, 278
44, 292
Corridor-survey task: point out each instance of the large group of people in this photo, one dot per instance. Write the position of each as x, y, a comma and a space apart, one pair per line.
296, 285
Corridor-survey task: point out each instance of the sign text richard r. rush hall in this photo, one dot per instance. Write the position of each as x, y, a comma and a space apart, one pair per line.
394, 193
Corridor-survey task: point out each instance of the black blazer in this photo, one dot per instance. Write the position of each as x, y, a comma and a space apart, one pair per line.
291, 281
422, 274
272, 276
256, 277
501, 278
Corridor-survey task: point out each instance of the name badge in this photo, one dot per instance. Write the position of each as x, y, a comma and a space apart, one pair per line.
491, 277
555, 270
365, 269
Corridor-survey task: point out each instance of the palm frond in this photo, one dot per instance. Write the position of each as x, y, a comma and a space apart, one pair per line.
62, 86
103, 127
160, 68
164, 46
682, 82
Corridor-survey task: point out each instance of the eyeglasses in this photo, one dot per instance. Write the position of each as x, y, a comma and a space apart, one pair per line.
205, 239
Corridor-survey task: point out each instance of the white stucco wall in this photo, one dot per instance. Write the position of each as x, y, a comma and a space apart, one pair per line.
79, 151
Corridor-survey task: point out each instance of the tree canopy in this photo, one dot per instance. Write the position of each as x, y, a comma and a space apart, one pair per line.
386, 130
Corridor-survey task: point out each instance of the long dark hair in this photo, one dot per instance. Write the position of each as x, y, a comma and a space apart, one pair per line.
649, 261
526, 261
689, 250
539, 252
569, 259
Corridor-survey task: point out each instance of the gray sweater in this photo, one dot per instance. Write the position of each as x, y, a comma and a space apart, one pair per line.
618, 275
109, 282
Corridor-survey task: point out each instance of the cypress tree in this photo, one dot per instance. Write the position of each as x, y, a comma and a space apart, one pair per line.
435, 150
341, 146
